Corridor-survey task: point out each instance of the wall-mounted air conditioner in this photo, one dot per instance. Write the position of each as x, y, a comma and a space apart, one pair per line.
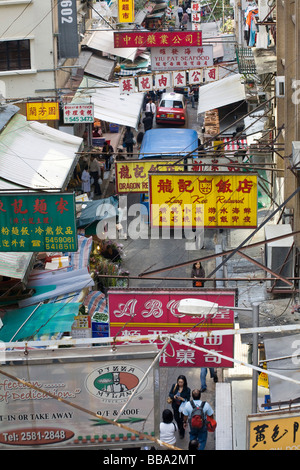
280, 86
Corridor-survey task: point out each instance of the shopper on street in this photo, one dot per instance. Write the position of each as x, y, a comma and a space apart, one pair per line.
95, 174
179, 393
128, 140
203, 373
167, 428
86, 181
195, 433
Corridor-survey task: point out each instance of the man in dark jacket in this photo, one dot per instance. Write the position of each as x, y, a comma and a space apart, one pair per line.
148, 121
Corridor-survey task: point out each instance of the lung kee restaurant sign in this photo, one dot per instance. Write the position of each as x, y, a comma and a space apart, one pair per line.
158, 39
181, 58
148, 312
207, 200
38, 222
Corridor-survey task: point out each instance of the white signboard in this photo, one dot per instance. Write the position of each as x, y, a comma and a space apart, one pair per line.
181, 58
95, 379
162, 81
74, 113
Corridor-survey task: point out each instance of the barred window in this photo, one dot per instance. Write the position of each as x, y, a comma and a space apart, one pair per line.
15, 55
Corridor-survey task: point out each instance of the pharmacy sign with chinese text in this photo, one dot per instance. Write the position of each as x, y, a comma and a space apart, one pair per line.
209, 200
37, 222
135, 312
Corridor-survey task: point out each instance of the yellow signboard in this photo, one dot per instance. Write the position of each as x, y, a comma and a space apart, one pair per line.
132, 175
42, 111
203, 200
274, 431
126, 11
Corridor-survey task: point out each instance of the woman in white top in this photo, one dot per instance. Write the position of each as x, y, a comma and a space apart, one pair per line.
167, 428
86, 181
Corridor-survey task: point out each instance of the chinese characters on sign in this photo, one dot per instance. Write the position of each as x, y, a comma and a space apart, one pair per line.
152, 313
126, 11
127, 85
181, 58
37, 222
132, 176
203, 200
275, 431
42, 111
78, 113
158, 39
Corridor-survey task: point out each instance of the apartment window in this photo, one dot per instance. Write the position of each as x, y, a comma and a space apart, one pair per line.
15, 55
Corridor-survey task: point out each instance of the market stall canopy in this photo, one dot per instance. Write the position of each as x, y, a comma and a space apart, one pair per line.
15, 265
35, 156
109, 105
95, 211
221, 93
37, 321
104, 41
93, 64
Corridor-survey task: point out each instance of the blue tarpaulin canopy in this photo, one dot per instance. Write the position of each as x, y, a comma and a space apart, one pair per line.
36, 321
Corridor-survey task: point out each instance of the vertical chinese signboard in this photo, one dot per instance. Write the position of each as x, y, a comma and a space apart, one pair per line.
209, 200
279, 430
37, 222
68, 29
100, 382
147, 312
126, 11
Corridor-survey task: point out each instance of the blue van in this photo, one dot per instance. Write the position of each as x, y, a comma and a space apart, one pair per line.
168, 143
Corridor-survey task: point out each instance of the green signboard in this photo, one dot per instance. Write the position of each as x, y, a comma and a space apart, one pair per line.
38, 222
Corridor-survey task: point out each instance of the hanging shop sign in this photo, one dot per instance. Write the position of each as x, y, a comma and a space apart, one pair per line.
68, 29
215, 164
38, 222
42, 111
150, 312
127, 86
74, 113
132, 175
158, 39
96, 386
181, 58
279, 430
126, 11
207, 200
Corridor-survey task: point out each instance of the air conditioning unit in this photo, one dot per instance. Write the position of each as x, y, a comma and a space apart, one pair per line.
279, 255
280, 86
296, 155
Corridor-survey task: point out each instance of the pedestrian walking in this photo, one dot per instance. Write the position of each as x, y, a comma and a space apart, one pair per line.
179, 394
189, 12
191, 96
86, 181
198, 274
107, 152
95, 174
180, 13
167, 428
150, 107
148, 121
203, 374
197, 423
185, 19
128, 140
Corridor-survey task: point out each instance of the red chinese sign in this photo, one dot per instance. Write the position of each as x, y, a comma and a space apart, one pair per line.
149, 312
158, 39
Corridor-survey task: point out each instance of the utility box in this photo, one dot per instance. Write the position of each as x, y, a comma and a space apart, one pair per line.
279, 255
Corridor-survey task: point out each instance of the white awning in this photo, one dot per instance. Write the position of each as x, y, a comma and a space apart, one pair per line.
35, 156
109, 105
104, 41
221, 93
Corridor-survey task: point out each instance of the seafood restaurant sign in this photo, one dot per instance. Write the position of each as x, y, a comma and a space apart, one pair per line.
181, 58
143, 312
